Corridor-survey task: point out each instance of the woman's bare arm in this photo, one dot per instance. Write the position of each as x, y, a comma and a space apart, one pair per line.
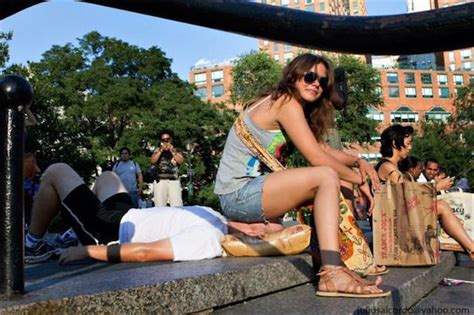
291, 118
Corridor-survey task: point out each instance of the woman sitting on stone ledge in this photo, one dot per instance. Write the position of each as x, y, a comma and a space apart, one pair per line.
298, 109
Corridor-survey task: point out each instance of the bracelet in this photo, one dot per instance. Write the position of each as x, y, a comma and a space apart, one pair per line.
113, 253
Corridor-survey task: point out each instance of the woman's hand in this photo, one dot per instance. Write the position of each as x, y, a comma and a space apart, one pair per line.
365, 189
367, 170
71, 254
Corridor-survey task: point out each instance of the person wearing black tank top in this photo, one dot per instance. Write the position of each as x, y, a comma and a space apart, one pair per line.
396, 145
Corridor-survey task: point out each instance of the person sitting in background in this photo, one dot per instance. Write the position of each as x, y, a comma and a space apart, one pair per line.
30, 182
396, 145
431, 174
130, 174
412, 166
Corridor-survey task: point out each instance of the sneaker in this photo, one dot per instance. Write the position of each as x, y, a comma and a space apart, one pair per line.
41, 252
65, 240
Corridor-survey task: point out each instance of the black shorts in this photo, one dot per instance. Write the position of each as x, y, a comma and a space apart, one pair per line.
93, 221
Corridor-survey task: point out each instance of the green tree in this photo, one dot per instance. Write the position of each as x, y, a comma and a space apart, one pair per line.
451, 143
362, 81
102, 93
4, 48
253, 74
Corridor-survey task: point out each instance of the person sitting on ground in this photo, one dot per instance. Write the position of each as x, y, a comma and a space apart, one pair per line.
105, 214
431, 174
396, 145
412, 166
299, 109
30, 182
130, 174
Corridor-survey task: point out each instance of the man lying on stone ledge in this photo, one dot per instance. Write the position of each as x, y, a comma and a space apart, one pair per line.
104, 214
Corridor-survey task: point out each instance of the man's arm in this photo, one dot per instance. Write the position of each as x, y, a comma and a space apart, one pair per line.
130, 252
178, 157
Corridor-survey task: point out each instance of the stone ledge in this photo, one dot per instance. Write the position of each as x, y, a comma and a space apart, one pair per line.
156, 287
408, 286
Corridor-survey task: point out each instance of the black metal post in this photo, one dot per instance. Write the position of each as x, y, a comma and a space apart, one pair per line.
15, 97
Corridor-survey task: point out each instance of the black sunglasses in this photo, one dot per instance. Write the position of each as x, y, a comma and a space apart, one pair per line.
310, 76
165, 139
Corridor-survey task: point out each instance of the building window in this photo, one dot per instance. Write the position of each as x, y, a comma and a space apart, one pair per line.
451, 56
309, 8
393, 91
426, 78
275, 47
404, 114
265, 42
199, 78
437, 114
471, 79
392, 77
217, 90
322, 6
201, 93
276, 57
452, 67
409, 77
466, 65
308, 1
288, 56
427, 92
458, 79
443, 92
287, 47
374, 114
466, 54
442, 79
285, 3
371, 157
410, 92
217, 76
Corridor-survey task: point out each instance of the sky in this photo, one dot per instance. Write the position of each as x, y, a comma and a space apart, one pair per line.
57, 22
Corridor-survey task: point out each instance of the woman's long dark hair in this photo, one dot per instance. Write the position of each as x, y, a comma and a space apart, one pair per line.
320, 113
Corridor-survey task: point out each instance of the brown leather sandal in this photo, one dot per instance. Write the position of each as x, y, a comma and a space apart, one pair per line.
356, 288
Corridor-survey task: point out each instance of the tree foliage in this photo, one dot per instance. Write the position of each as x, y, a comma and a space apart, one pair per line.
4, 48
362, 81
451, 143
100, 94
253, 74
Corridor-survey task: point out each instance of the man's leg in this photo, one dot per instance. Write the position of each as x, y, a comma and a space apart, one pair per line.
176, 199
161, 193
107, 185
57, 182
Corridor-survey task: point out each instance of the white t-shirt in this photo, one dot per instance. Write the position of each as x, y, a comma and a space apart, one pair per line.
195, 232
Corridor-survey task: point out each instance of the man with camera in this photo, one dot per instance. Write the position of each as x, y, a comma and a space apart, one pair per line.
167, 186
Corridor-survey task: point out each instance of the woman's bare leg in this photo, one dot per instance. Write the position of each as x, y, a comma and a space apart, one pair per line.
288, 189
453, 226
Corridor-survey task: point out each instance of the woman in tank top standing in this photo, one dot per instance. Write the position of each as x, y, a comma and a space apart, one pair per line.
299, 109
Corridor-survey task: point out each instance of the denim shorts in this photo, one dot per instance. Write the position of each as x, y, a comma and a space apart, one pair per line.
245, 204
